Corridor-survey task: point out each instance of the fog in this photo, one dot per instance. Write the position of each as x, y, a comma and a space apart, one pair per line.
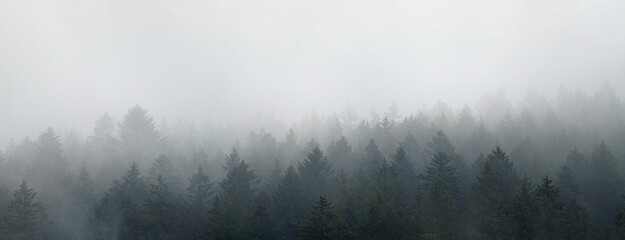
64, 63
290, 119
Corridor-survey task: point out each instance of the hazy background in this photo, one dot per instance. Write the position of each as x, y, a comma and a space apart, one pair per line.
64, 63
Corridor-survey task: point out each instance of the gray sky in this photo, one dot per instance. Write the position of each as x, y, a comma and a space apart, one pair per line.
65, 62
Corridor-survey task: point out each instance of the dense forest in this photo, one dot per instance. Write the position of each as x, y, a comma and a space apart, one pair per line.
542, 168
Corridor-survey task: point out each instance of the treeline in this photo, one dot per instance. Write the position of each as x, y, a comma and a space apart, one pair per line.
437, 174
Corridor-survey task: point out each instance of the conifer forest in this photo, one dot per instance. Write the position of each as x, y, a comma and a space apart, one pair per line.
312, 120
543, 172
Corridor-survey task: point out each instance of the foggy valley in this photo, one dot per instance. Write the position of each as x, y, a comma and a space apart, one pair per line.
292, 119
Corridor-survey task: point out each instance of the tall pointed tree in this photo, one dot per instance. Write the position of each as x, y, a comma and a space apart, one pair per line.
405, 169
140, 140
494, 189
315, 172
26, 218
232, 160
372, 157
199, 196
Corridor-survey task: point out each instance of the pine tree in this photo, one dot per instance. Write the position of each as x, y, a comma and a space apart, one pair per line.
49, 164
440, 143
84, 188
140, 140
288, 204
494, 189
523, 212
163, 167
413, 151
122, 204
387, 185
341, 155
232, 160
315, 173
575, 221
199, 196
323, 224
406, 172
160, 209
239, 188
603, 184
260, 225
380, 220
567, 184
549, 210
26, 219
372, 157
274, 176
199, 159
441, 185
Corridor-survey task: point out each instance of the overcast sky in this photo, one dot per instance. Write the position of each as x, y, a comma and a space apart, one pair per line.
65, 62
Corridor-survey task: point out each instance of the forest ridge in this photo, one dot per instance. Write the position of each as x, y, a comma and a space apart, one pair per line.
542, 170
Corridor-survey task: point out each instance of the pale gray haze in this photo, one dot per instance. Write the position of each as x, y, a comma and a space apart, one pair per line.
64, 63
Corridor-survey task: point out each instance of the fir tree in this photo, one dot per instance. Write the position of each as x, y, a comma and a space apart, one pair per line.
199, 196
523, 212
549, 210
26, 218
567, 184
239, 188
232, 160
406, 172
140, 140
372, 157
160, 209
84, 188
163, 167
315, 173
494, 189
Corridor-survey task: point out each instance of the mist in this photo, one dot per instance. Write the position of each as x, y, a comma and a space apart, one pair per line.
341, 84
188, 58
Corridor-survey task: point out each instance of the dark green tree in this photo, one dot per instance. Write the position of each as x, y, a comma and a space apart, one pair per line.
523, 212
323, 224
160, 209
405, 169
602, 184
232, 160
26, 218
199, 197
549, 210
140, 140
441, 185
372, 157
315, 172
494, 189
163, 167
567, 184
576, 223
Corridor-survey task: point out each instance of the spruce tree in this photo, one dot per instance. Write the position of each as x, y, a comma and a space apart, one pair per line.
26, 218
441, 185
523, 212
163, 167
288, 204
84, 188
198, 199
160, 208
140, 140
405, 169
567, 184
232, 160
494, 189
315, 172
549, 210
372, 157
